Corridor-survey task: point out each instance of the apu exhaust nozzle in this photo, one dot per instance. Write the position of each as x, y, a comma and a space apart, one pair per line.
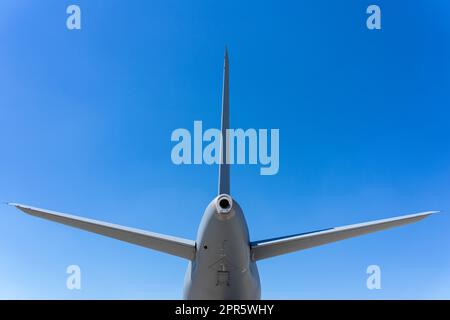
224, 204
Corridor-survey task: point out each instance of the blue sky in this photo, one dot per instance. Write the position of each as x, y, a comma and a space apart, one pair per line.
86, 118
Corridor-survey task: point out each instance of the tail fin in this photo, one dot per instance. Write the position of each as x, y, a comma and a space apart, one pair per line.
224, 167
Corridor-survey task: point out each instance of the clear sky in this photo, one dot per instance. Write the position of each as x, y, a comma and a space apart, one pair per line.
86, 118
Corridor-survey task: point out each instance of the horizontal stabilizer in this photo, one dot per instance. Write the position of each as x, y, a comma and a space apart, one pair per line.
277, 246
175, 246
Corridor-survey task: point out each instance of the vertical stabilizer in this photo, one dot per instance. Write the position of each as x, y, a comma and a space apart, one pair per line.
224, 167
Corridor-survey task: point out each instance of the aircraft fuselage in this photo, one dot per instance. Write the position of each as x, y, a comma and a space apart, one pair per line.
222, 268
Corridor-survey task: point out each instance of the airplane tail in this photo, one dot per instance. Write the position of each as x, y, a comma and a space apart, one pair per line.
224, 166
